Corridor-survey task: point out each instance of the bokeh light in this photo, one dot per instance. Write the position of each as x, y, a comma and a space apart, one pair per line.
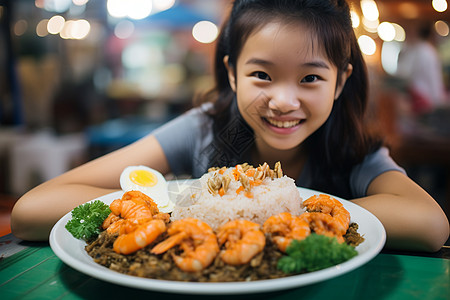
439, 5
20, 27
75, 29
400, 34
370, 25
386, 31
139, 9
80, 2
57, 6
355, 19
117, 8
55, 24
124, 29
205, 32
160, 5
442, 28
367, 45
41, 28
389, 56
370, 10
134, 9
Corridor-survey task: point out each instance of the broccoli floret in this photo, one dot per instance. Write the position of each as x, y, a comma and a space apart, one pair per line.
314, 253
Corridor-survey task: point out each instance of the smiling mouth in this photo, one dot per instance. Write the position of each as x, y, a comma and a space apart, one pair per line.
283, 124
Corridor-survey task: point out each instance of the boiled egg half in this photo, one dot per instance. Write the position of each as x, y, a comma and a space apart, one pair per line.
149, 182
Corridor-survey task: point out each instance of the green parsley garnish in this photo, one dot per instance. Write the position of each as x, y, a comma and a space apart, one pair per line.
87, 219
314, 253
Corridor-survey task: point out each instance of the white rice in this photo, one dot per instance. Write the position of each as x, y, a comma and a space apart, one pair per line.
271, 197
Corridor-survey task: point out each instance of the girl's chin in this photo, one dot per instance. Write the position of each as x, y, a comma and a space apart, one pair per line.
280, 144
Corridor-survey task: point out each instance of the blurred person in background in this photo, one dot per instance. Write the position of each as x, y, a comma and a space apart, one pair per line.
421, 68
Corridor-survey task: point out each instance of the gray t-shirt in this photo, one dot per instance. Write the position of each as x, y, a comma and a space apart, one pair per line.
187, 144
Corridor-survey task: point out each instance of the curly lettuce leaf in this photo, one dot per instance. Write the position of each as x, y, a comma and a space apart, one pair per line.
314, 253
87, 219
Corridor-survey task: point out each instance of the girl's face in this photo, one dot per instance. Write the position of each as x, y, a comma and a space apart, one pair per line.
285, 85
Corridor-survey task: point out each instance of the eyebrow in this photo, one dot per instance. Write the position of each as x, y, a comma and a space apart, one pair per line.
314, 64
258, 61
317, 64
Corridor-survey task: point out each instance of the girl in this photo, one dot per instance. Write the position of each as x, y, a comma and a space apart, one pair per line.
291, 87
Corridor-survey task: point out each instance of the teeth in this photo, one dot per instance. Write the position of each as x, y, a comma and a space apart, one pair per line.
285, 124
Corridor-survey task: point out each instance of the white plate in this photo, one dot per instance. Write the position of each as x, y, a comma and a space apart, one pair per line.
71, 251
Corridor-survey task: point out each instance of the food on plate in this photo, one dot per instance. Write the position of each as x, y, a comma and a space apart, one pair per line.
314, 253
135, 217
137, 237
134, 208
140, 240
197, 241
149, 182
284, 228
87, 219
241, 192
330, 206
242, 240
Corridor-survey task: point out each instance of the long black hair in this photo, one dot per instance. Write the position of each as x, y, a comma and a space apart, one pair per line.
342, 141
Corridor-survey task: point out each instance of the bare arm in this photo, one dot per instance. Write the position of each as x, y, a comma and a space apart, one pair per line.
412, 218
38, 210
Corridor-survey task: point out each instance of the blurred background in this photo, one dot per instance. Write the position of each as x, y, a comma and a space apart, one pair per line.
80, 78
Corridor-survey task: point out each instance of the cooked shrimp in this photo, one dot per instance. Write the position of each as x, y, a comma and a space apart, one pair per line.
284, 228
111, 219
128, 225
197, 241
243, 240
134, 204
328, 205
114, 227
137, 237
162, 216
323, 224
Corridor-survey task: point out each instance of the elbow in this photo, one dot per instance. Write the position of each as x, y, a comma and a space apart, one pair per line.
427, 233
437, 233
25, 227
20, 224
443, 232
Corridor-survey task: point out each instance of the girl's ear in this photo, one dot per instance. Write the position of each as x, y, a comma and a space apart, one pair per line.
344, 76
231, 73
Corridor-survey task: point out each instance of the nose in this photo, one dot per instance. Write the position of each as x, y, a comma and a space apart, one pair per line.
284, 100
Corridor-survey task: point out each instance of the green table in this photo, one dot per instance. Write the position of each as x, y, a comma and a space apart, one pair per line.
35, 272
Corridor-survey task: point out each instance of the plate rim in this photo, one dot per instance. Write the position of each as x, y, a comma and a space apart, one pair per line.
211, 288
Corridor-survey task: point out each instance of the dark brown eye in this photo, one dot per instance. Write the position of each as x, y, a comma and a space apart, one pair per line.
262, 75
310, 78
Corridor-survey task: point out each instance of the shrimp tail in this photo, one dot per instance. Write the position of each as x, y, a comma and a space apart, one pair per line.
168, 243
142, 236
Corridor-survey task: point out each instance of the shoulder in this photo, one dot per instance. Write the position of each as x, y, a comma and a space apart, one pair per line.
191, 121
374, 164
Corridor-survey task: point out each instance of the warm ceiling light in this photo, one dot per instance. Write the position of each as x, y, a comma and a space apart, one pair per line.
55, 24
367, 45
442, 28
400, 34
205, 32
439, 5
386, 31
355, 19
370, 10
408, 10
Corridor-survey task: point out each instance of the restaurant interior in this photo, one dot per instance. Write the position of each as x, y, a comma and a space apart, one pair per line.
81, 78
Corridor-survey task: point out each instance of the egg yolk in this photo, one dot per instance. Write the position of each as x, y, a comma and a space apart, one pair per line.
143, 178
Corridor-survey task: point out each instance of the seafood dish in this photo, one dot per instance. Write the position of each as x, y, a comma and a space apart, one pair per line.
141, 240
